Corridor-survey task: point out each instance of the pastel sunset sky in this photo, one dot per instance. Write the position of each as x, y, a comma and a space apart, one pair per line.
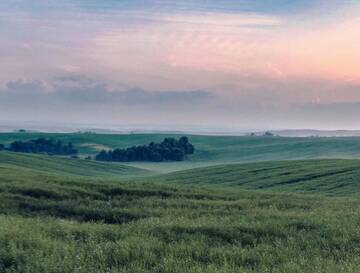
240, 64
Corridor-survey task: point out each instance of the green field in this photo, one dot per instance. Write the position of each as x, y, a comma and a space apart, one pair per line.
62, 215
43, 164
211, 150
325, 176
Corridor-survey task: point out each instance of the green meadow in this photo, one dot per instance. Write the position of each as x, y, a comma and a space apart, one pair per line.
240, 204
210, 150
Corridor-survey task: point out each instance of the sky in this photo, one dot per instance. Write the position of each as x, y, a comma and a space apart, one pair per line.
231, 64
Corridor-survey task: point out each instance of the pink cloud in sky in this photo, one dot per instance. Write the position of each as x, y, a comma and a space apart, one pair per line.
258, 67
246, 46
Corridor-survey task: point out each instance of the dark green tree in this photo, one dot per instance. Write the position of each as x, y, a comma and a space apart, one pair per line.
42, 145
169, 149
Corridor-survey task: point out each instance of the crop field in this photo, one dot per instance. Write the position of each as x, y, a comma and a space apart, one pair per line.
210, 150
62, 215
324, 176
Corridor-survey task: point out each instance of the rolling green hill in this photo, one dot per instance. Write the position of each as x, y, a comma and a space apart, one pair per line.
327, 176
68, 222
63, 215
211, 150
15, 163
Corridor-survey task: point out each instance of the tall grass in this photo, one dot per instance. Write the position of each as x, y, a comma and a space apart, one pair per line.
76, 225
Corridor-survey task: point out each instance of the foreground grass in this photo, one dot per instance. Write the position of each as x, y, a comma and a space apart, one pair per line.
63, 215
76, 224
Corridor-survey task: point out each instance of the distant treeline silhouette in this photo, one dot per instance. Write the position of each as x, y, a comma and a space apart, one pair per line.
42, 145
169, 149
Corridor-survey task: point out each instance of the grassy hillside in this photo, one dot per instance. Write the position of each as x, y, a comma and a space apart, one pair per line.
326, 176
63, 225
216, 148
61, 215
339, 177
14, 163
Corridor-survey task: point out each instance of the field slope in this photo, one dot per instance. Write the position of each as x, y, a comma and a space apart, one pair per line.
70, 223
326, 176
62, 215
16, 163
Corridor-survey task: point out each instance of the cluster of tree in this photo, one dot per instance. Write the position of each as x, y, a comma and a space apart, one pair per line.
268, 134
169, 149
42, 145
2, 147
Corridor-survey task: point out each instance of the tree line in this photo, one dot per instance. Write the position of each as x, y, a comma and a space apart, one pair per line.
41, 145
170, 149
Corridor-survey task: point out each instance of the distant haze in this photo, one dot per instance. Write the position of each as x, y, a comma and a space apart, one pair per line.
29, 127
206, 65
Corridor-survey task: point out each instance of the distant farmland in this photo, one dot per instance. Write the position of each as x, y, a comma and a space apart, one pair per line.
211, 150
